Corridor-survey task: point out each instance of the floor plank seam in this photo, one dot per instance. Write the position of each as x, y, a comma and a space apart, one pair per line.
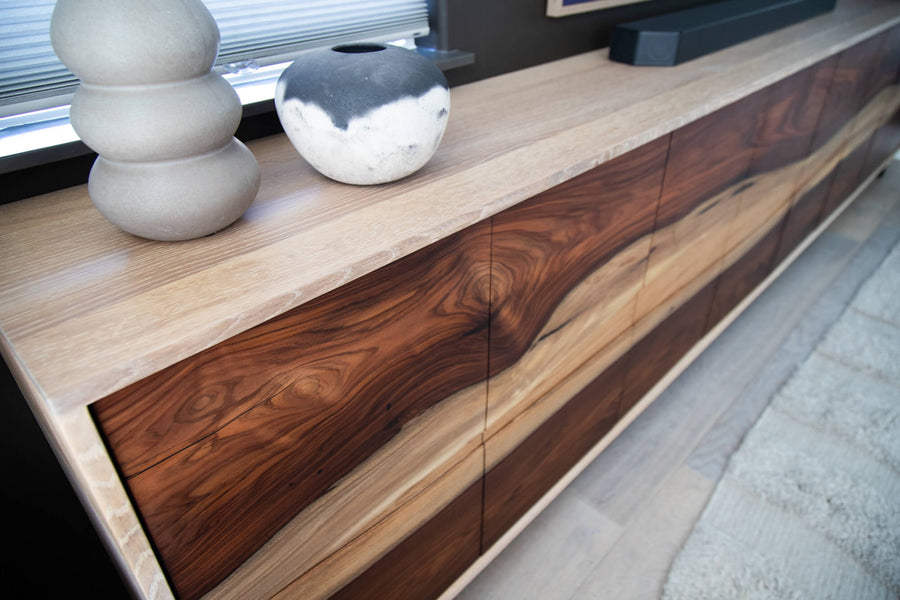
874, 317
860, 368
848, 441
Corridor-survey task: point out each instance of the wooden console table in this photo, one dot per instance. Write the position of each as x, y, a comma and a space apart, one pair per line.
359, 391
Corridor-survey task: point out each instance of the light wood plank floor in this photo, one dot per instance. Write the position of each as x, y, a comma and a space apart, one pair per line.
613, 533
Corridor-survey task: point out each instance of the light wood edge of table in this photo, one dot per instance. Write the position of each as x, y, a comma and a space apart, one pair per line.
77, 444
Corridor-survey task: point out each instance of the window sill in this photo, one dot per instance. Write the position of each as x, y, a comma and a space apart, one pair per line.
33, 145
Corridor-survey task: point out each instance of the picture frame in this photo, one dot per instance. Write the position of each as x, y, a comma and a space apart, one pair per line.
563, 8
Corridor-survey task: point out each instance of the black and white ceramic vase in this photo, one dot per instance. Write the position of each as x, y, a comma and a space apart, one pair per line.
364, 113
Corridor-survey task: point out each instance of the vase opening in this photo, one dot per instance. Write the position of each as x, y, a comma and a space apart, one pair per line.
359, 48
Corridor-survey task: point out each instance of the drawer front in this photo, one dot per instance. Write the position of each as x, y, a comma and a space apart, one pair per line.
223, 449
567, 266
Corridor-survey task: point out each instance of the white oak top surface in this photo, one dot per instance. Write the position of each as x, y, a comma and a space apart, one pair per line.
86, 309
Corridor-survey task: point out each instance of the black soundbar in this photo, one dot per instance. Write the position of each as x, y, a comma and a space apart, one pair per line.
676, 37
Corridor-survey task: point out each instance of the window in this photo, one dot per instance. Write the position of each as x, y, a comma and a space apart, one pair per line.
258, 40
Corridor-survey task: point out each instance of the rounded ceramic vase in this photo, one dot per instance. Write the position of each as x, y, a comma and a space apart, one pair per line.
160, 119
364, 113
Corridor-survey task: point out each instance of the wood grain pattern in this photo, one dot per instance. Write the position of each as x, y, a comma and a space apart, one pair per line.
804, 216
428, 561
505, 441
403, 484
837, 153
651, 357
885, 142
567, 266
796, 114
780, 146
782, 142
876, 70
739, 279
789, 123
846, 179
244, 436
822, 181
788, 128
829, 175
886, 138
887, 69
805, 202
820, 88
763, 202
700, 199
874, 107
868, 66
709, 156
852, 84
372, 544
514, 484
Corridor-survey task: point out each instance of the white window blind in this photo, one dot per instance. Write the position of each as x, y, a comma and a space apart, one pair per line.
259, 32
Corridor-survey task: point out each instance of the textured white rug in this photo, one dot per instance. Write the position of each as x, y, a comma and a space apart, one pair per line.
809, 506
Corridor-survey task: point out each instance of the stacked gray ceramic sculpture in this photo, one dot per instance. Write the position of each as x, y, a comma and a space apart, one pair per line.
160, 119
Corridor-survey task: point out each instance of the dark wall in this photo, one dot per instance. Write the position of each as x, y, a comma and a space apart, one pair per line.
508, 35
